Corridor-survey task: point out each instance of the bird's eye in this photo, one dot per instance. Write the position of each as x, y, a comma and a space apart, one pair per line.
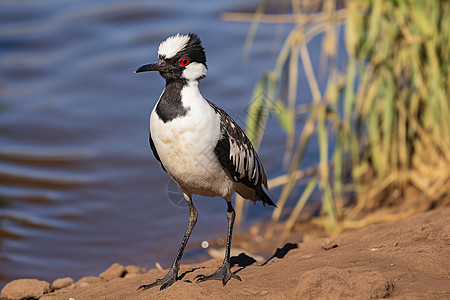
184, 62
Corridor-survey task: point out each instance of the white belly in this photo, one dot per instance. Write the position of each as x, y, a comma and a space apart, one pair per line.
185, 146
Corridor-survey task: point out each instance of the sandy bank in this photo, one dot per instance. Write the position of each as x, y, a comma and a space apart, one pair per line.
408, 259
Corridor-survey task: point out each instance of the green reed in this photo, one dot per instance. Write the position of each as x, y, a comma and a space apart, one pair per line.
388, 109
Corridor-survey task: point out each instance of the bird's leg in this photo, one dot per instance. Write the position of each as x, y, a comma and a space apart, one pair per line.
224, 273
172, 275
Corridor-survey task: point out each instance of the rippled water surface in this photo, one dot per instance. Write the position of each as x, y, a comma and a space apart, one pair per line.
79, 187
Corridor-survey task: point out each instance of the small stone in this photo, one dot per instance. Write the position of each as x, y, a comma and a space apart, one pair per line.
25, 288
62, 283
115, 271
329, 243
85, 281
134, 269
130, 275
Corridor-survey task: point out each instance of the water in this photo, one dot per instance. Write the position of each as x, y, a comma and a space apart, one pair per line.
79, 186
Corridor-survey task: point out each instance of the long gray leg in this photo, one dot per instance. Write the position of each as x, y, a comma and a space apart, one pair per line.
172, 275
224, 273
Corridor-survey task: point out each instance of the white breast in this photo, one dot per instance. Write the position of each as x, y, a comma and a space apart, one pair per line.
186, 144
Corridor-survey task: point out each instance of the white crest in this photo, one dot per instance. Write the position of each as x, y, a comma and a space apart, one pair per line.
172, 45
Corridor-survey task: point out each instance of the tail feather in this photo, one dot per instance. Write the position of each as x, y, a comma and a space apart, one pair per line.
266, 199
254, 193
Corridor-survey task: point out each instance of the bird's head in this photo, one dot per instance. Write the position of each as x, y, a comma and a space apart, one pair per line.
181, 57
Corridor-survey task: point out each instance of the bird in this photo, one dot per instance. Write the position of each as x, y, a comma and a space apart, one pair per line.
199, 145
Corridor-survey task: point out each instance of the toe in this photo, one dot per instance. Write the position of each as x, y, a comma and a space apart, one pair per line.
200, 278
146, 286
165, 282
236, 276
166, 285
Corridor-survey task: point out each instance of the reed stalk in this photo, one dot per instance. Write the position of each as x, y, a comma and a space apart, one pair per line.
382, 122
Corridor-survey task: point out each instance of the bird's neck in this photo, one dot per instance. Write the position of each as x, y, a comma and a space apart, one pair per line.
180, 82
171, 105
189, 89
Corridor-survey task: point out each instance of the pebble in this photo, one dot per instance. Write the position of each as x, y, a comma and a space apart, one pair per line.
25, 289
329, 243
62, 283
85, 281
115, 271
134, 270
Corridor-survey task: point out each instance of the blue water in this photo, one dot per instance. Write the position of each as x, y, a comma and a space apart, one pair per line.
79, 186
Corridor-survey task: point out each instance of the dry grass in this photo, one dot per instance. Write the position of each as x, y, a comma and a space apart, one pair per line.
388, 109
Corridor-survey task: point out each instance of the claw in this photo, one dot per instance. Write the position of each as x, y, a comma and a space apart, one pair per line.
147, 286
166, 285
223, 273
200, 278
165, 282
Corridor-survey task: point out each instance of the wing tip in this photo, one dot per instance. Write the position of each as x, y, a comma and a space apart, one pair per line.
266, 199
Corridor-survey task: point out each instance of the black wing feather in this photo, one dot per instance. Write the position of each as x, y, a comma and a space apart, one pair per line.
155, 153
237, 156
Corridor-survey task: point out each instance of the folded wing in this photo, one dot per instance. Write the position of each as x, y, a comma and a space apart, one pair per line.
239, 159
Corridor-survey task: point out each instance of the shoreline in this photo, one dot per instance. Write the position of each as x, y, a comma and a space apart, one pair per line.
402, 259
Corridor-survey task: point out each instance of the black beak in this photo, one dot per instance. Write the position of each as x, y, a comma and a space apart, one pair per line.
157, 66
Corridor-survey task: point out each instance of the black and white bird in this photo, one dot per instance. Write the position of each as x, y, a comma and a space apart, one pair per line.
199, 145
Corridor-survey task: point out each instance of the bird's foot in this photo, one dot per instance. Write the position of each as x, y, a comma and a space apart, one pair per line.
164, 282
223, 273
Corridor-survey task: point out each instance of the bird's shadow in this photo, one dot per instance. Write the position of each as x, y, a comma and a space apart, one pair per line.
181, 276
281, 252
242, 260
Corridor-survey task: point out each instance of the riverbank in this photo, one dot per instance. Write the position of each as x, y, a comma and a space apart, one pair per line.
402, 259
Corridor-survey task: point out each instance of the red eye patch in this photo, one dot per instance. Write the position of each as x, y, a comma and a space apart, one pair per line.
184, 62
